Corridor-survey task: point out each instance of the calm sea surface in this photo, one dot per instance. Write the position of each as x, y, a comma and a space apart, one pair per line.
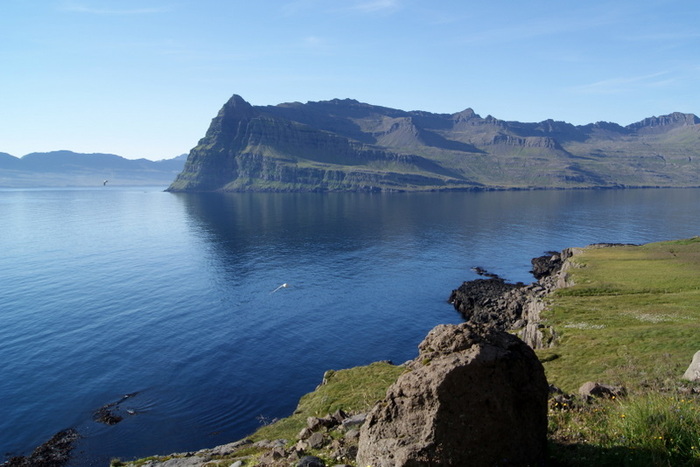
113, 291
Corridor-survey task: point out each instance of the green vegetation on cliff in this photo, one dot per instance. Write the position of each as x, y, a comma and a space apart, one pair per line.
345, 145
354, 390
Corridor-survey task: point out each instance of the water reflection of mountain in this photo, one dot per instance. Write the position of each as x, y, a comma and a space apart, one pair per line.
311, 219
472, 225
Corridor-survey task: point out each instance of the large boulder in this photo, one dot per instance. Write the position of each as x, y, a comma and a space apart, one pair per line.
474, 396
693, 371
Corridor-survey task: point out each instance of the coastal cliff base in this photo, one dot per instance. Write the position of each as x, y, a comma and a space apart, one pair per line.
515, 307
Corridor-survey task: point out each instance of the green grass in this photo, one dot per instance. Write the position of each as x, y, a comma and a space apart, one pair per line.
354, 390
646, 430
666, 426
633, 315
633, 318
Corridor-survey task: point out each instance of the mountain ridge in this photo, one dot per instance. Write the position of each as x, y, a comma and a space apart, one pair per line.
347, 145
72, 169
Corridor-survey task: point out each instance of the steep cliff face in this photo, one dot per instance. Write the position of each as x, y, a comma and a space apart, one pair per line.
345, 145
249, 149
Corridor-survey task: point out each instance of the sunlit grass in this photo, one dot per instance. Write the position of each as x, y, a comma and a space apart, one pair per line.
632, 319
634, 313
652, 430
353, 390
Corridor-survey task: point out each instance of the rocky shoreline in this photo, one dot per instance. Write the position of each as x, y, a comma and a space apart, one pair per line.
489, 306
53, 453
515, 306
476, 394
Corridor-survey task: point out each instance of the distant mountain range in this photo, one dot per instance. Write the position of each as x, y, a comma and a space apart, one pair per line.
346, 145
70, 169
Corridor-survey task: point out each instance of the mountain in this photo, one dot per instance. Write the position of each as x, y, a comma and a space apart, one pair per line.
66, 168
346, 145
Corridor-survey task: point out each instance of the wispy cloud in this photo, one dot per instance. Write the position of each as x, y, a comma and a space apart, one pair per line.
627, 83
533, 26
359, 6
375, 6
314, 42
664, 36
84, 8
526, 30
316, 45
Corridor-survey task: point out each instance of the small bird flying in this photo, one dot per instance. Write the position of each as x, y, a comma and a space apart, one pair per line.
283, 286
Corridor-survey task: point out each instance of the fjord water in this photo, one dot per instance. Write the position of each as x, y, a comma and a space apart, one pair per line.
107, 292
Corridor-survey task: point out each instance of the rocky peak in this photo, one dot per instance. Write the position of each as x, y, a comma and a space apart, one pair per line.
237, 107
227, 122
348, 102
464, 115
554, 126
607, 126
673, 119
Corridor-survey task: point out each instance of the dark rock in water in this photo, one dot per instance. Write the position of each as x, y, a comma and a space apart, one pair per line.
489, 301
474, 396
111, 414
107, 415
53, 453
483, 272
515, 307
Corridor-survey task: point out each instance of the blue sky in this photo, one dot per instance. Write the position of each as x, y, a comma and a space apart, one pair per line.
144, 78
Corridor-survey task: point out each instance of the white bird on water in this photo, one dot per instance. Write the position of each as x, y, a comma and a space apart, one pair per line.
283, 286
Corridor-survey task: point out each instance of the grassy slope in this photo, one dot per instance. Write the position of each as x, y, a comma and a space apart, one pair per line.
354, 390
633, 319
633, 315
